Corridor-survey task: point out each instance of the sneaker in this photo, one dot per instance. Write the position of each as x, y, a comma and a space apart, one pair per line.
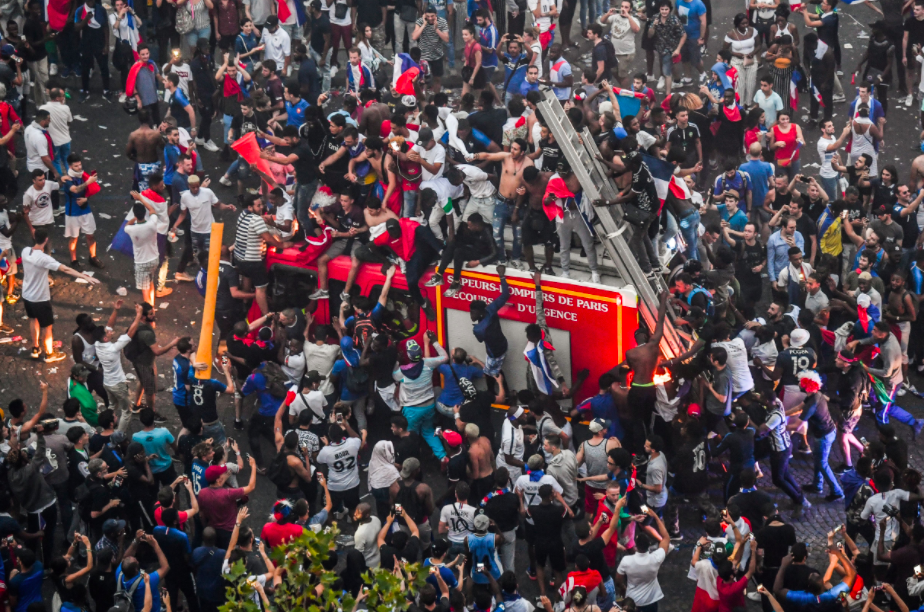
159, 418
182, 276
163, 292
429, 310
107, 95
5, 329
911, 388
320, 294
36, 352
565, 274
239, 425
345, 297
58, 211
811, 489
76, 265
902, 392
453, 290
531, 573
841, 468
84, 96
840, 73
671, 548
595, 277
12, 298
703, 79
660, 85
210, 146
677, 537
96, 263
122, 98
921, 367
833, 497
839, 98
65, 72
224, 180
53, 69
200, 141
686, 81
435, 281
55, 356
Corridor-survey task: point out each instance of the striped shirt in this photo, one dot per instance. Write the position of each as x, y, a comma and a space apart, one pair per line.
776, 421
250, 227
431, 45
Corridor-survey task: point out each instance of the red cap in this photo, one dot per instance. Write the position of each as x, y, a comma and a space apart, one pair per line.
693, 410
213, 472
452, 438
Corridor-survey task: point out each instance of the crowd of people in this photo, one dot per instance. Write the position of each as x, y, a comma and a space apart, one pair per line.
356, 414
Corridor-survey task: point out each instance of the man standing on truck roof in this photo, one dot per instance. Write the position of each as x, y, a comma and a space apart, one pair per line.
544, 375
643, 361
487, 327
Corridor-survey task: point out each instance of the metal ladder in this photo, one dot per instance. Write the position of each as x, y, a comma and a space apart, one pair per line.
581, 152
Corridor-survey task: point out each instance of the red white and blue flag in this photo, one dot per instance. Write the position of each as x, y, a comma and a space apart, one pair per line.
665, 181
284, 12
817, 95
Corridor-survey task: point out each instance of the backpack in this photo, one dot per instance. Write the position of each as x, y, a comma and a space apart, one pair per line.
612, 62
122, 600
363, 329
357, 379
275, 379
279, 472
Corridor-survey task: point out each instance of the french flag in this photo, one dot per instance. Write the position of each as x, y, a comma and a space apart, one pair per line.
665, 181
794, 90
284, 12
817, 95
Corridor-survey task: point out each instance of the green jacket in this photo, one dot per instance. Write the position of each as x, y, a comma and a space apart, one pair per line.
88, 406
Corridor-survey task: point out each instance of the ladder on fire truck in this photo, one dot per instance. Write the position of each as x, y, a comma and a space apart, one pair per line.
581, 152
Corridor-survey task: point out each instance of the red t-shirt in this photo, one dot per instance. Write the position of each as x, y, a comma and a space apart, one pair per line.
218, 507
731, 596
274, 534
403, 245
158, 510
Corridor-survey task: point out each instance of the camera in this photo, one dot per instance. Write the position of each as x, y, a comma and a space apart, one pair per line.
890, 510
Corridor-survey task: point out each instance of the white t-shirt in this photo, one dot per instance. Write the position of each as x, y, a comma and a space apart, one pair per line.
511, 444
313, 401
278, 46
294, 367
284, 213
341, 460
161, 212
35, 267
744, 529
39, 203
477, 181
461, 521
537, 58
61, 118
825, 156
200, 209
36, 147
641, 572
322, 358
444, 190
875, 505
543, 23
531, 490
182, 71
261, 580
5, 242
144, 241
110, 357
436, 155
123, 32
738, 364
366, 541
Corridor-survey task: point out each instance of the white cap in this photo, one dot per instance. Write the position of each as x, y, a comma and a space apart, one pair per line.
798, 337
863, 300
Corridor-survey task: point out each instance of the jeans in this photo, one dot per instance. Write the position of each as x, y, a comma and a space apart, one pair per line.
66, 507
607, 595
239, 170
226, 124
191, 38
782, 477
896, 412
401, 27
206, 113
410, 203
823, 471
294, 32
593, 7
60, 161
359, 407
420, 419
39, 72
503, 212
200, 243
216, 431
303, 194
323, 66
689, 227
830, 187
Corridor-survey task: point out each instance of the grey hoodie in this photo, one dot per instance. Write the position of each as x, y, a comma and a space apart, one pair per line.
27, 484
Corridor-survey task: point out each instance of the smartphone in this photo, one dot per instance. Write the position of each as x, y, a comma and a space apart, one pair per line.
917, 568
480, 567
438, 431
398, 508
644, 509
433, 569
863, 441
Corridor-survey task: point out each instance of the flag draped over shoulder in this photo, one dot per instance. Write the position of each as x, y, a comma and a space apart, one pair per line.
829, 233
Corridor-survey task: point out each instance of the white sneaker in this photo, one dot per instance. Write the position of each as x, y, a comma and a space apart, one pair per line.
660, 86
595, 277
319, 294
122, 98
52, 69
703, 79
208, 145
200, 141
224, 180
902, 392
840, 73
565, 274
686, 81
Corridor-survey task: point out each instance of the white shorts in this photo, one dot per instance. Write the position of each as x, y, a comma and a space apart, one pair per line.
73, 226
905, 327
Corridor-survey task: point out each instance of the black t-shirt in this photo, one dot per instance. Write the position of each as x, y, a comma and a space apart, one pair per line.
478, 411
245, 125
752, 505
407, 446
503, 509
599, 55
749, 257
142, 493
643, 186
548, 519
369, 12
224, 302
915, 31
382, 364
490, 123
97, 441
456, 470
807, 228
77, 469
102, 586
690, 467
250, 355
275, 90
551, 153
780, 200
319, 27
854, 213
202, 394
685, 139
796, 577
775, 540
594, 552
33, 31
306, 164
883, 195
813, 208
853, 177
410, 553
100, 496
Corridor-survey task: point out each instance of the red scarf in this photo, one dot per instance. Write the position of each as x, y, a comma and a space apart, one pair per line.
733, 114
232, 88
133, 74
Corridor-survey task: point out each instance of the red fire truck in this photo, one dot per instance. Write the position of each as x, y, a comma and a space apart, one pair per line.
592, 325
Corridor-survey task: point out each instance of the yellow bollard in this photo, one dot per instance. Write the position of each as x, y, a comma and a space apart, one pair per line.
204, 350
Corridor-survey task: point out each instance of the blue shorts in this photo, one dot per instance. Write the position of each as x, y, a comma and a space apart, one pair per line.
493, 365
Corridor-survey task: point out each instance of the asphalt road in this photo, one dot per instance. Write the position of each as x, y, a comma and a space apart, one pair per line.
100, 135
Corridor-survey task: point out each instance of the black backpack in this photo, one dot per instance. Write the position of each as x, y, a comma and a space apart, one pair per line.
356, 379
275, 379
122, 600
279, 472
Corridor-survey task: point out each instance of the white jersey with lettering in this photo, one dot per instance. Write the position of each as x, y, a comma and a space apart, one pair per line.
342, 461
530, 490
461, 521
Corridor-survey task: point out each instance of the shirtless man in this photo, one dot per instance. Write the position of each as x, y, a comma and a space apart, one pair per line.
376, 215
146, 148
530, 195
643, 361
901, 311
373, 115
513, 164
480, 461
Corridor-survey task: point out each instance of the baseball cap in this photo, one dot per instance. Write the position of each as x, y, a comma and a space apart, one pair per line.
214, 472
313, 376
598, 425
799, 337
482, 522
79, 369
118, 437
113, 526
413, 351
453, 439
425, 135
409, 467
272, 21
694, 410
863, 300
409, 101
7, 50
882, 210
